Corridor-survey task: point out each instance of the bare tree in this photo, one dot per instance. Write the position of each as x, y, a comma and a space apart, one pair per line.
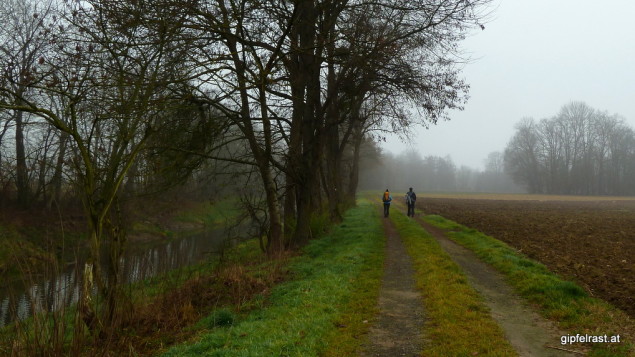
522, 156
578, 151
22, 45
274, 87
113, 82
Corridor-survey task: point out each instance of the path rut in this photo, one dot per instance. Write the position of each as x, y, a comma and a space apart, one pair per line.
528, 332
399, 325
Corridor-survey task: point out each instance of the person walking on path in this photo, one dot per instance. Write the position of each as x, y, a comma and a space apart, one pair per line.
386, 199
411, 198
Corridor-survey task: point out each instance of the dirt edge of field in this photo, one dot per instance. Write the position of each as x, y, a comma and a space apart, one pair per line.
590, 242
528, 332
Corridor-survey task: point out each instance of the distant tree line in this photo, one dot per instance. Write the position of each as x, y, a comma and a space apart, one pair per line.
580, 151
434, 174
104, 99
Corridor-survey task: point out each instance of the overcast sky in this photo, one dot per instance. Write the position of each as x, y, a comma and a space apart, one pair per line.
534, 57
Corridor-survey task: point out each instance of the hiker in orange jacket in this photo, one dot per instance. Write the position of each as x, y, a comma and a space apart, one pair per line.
386, 198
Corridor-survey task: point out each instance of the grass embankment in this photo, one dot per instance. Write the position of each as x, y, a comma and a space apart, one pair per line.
562, 301
323, 308
239, 306
457, 321
161, 311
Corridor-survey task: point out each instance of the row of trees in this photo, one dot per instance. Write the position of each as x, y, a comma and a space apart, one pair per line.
109, 98
434, 174
578, 151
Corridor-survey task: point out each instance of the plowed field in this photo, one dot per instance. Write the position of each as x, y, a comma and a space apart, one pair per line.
588, 241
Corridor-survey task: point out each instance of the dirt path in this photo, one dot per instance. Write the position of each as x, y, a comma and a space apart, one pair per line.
590, 241
398, 328
528, 332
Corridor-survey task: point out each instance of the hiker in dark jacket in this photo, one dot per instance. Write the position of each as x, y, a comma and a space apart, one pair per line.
411, 198
386, 198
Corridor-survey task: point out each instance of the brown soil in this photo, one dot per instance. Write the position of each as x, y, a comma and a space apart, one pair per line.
398, 328
591, 242
528, 332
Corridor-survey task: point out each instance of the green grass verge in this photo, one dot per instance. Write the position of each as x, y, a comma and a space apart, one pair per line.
320, 309
457, 321
559, 300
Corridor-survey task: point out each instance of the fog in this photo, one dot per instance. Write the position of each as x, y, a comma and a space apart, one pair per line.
533, 58
434, 174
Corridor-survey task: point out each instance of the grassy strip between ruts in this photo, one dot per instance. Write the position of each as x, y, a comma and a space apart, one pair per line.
559, 300
458, 322
322, 310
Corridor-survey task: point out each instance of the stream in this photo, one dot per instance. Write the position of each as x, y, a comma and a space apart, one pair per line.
54, 294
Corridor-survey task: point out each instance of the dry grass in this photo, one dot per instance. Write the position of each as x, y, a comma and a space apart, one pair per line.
171, 318
172, 312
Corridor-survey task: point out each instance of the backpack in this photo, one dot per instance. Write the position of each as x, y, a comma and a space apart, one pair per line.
386, 197
411, 197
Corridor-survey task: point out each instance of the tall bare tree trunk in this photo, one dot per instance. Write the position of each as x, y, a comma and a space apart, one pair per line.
276, 239
22, 176
354, 174
311, 126
332, 141
261, 156
292, 165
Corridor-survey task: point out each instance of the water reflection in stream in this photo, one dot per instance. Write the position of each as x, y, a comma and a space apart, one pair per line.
137, 264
